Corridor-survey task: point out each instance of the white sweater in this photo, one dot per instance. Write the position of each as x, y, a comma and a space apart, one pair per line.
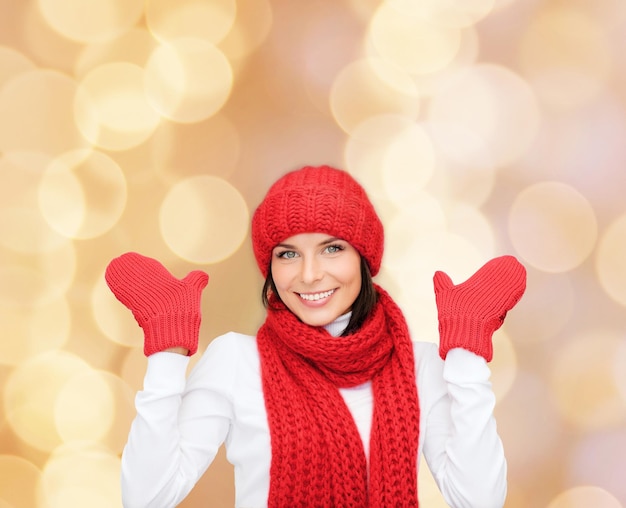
181, 423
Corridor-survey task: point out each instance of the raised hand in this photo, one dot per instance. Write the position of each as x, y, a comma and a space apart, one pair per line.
166, 308
470, 312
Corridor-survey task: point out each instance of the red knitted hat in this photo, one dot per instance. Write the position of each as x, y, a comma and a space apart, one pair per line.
317, 200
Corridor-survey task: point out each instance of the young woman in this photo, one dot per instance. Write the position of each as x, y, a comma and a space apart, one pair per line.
331, 404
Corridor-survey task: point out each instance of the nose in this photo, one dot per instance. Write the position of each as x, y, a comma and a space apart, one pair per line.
311, 270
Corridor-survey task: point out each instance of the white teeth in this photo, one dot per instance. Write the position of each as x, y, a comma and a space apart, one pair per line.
316, 296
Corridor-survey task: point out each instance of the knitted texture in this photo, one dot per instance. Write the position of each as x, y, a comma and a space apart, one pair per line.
166, 308
317, 200
318, 458
470, 312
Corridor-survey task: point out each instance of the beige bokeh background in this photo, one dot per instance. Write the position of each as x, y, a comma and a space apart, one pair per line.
479, 128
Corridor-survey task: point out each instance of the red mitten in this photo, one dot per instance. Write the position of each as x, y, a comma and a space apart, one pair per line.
167, 308
470, 312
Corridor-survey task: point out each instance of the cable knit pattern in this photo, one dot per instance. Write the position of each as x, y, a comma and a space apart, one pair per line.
317, 455
166, 308
471, 312
317, 200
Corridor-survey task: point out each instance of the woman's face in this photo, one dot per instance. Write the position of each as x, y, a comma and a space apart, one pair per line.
317, 276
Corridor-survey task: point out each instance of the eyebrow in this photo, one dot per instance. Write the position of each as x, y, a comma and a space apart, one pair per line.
325, 242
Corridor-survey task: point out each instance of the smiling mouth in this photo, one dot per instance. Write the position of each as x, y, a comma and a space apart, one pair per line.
313, 297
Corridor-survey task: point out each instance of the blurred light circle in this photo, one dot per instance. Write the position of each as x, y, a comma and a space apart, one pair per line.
49, 326
123, 397
183, 150
27, 282
111, 108
24, 127
430, 84
466, 167
252, 26
451, 13
495, 104
19, 480
611, 260
410, 42
90, 392
552, 226
413, 231
188, 80
372, 87
30, 395
82, 194
409, 163
94, 479
585, 496
46, 44
566, 55
33, 330
133, 47
106, 413
471, 223
204, 219
585, 390
20, 173
24, 230
376, 143
13, 63
93, 21
210, 20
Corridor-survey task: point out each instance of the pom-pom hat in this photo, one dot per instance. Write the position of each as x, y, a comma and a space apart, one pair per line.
317, 199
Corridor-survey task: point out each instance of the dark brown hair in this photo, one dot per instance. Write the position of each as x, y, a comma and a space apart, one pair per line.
361, 308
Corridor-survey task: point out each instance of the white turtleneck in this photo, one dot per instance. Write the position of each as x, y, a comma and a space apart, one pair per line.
337, 327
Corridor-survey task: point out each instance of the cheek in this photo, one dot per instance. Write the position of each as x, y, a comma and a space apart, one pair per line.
357, 283
282, 275
353, 268
350, 276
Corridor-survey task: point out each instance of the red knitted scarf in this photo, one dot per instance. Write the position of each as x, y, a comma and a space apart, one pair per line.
318, 458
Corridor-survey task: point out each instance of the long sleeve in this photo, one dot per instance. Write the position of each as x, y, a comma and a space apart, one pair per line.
461, 444
176, 434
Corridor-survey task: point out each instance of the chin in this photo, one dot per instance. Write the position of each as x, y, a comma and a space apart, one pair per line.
315, 320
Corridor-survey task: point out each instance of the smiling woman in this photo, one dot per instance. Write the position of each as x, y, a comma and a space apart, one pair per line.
332, 403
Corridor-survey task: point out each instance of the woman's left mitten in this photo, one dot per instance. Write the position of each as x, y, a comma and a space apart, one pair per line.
470, 312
